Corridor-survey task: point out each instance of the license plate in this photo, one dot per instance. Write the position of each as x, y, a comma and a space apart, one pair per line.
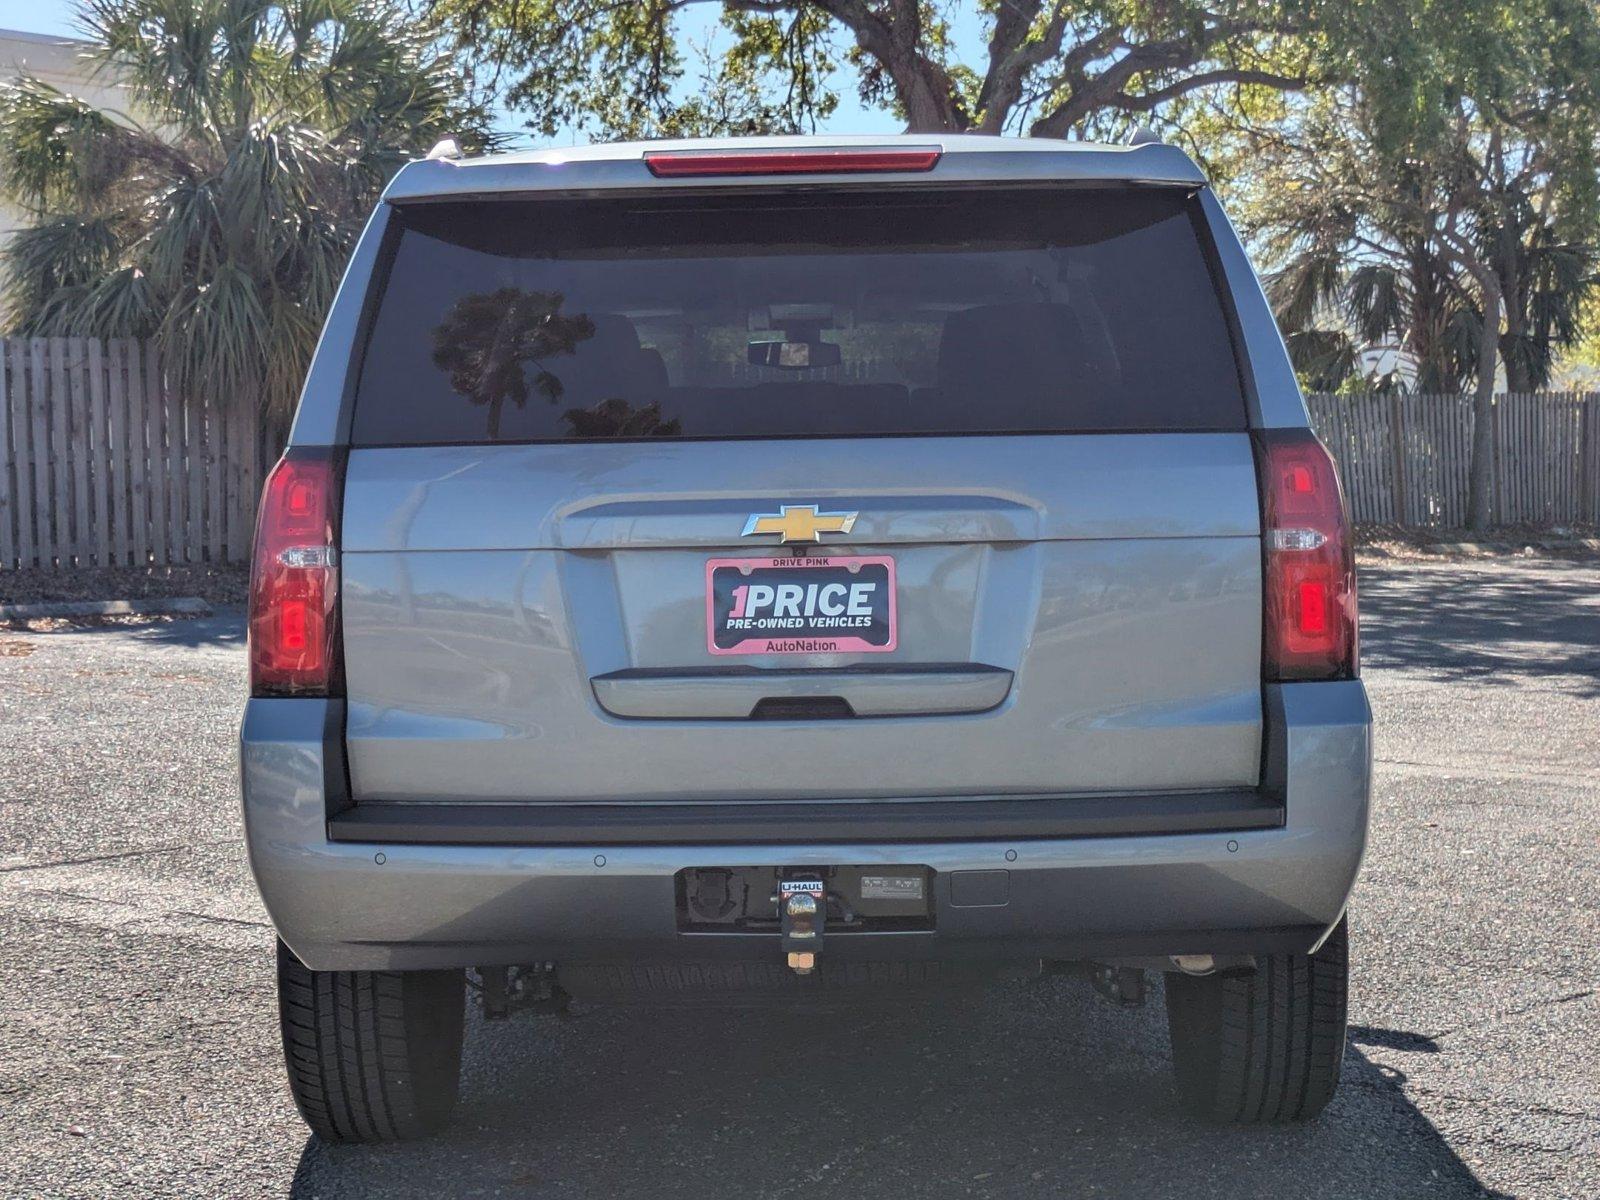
801, 605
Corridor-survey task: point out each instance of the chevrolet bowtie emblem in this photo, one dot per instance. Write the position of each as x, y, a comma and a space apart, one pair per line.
799, 523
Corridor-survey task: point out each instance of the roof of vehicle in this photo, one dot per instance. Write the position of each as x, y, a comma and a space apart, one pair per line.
966, 158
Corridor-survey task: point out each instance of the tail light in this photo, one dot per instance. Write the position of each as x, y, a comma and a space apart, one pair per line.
674, 164
1310, 578
294, 579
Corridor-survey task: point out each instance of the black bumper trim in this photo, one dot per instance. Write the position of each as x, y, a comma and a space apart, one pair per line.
865, 947
465, 824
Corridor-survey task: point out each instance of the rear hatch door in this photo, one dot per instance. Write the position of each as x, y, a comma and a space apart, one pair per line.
801, 495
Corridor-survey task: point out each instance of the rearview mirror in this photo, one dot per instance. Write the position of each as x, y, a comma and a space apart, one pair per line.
793, 356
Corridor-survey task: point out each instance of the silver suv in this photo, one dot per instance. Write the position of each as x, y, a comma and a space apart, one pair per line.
794, 567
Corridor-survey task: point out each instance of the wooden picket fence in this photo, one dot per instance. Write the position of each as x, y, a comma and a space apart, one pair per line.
103, 465
1404, 459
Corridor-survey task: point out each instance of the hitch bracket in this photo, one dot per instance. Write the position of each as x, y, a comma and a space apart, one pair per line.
802, 920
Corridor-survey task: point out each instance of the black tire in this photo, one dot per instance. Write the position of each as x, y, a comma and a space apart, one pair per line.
373, 1056
1262, 1048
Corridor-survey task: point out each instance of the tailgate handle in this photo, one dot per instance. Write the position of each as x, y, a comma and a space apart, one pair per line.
743, 693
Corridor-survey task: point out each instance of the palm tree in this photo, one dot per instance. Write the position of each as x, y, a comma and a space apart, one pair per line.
218, 221
1398, 297
1370, 258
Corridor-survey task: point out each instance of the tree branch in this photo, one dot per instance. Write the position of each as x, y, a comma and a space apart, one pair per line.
1100, 90
1087, 94
922, 86
1012, 58
1150, 100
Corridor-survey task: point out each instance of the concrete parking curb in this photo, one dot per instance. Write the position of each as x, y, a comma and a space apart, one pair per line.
1496, 548
188, 606
1517, 545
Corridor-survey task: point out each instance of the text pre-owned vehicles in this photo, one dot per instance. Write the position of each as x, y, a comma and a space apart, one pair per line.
786, 565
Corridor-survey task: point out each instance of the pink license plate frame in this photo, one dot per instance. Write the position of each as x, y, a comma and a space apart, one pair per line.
801, 643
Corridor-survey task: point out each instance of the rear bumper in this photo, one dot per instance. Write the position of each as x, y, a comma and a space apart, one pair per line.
1232, 886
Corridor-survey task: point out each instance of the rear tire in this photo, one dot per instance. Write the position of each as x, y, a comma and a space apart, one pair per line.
1262, 1048
373, 1056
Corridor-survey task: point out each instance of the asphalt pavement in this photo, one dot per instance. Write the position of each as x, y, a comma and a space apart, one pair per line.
138, 1041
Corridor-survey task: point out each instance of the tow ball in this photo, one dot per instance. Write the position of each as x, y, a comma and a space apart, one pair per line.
802, 916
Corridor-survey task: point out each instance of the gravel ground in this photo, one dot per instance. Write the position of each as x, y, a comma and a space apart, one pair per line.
139, 1056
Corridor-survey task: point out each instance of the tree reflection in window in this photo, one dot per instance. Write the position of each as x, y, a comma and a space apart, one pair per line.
616, 418
488, 340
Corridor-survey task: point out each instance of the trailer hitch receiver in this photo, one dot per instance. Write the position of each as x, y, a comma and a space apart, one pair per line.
802, 917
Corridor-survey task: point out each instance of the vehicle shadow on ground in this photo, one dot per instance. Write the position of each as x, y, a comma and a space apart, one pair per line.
225, 627
1029, 1089
1469, 622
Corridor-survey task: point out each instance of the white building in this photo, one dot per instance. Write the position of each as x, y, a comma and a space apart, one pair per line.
60, 62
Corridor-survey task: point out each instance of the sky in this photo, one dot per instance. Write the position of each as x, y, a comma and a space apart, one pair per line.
56, 17
36, 16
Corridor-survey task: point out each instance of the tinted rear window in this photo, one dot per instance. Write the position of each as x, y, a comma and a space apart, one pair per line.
796, 315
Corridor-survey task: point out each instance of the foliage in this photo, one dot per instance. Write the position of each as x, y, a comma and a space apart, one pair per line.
1052, 67
1455, 176
219, 221
1580, 367
1357, 286
1438, 207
